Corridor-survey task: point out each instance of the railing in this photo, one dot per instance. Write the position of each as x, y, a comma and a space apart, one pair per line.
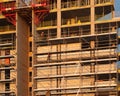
103, 1
75, 20
6, 40
105, 83
76, 3
48, 23
77, 55
75, 33
44, 36
101, 30
7, 28
53, 6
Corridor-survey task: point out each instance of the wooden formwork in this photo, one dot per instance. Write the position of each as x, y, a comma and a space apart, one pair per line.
46, 84
2, 75
2, 87
46, 71
72, 82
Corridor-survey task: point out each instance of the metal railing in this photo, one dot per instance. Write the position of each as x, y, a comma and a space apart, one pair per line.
103, 1
6, 40
44, 36
76, 3
75, 33
7, 28
101, 30
75, 20
48, 23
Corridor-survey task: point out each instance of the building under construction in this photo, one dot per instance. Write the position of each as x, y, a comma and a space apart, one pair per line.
59, 48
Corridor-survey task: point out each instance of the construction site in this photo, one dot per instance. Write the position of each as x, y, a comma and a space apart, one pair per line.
59, 48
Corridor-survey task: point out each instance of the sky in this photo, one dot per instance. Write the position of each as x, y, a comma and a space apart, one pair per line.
117, 8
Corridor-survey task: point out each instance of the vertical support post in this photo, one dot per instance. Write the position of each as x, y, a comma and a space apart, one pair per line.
33, 49
22, 44
58, 18
58, 67
92, 16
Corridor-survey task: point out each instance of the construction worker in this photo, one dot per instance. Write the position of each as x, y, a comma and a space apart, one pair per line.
42, 36
49, 57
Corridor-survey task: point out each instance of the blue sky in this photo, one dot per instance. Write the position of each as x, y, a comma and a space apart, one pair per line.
117, 8
117, 5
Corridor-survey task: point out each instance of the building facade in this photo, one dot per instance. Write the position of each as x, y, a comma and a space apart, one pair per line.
69, 48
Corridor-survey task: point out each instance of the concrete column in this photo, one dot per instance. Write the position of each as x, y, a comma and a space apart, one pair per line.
22, 43
33, 51
92, 11
58, 18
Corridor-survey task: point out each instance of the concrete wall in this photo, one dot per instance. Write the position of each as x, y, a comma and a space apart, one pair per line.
22, 57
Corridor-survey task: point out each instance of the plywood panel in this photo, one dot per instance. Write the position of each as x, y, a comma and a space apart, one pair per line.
45, 57
73, 82
12, 74
73, 46
2, 52
3, 61
105, 67
46, 49
46, 84
70, 55
89, 94
46, 71
106, 52
12, 60
12, 87
86, 69
72, 95
12, 52
54, 48
87, 81
63, 47
43, 49
54, 57
2, 86
43, 84
85, 54
42, 58
43, 72
2, 75
70, 69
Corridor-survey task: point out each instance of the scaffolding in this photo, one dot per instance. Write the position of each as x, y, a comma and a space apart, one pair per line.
7, 65
85, 70
9, 10
74, 62
8, 52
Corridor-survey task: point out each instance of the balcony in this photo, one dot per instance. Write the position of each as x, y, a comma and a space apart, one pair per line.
6, 42
76, 20
49, 23
100, 2
75, 3
7, 28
